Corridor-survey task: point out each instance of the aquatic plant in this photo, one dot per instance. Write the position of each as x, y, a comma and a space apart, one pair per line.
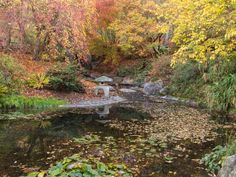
87, 139
76, 166
215, 159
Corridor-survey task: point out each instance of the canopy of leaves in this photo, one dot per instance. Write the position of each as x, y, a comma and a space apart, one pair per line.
203, 29
136, 27
52, 27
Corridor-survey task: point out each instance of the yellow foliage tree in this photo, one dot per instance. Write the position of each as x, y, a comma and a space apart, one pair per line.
203, 29
137, 27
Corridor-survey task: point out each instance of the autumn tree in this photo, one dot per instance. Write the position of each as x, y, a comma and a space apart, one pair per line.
203, 29
133, 28
102, 41
138, 27
54, 29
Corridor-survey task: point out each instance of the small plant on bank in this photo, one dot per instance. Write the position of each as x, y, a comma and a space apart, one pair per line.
215, 159
221, 96
65, 78
76, 166
38, 81
3, 90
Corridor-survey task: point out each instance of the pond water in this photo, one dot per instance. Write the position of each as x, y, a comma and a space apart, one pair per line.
124, 134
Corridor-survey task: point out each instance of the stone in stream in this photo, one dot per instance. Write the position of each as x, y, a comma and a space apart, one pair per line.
153, 88
229, 167
163, 91
124, 90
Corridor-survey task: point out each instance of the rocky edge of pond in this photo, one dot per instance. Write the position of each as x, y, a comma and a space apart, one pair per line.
229, 167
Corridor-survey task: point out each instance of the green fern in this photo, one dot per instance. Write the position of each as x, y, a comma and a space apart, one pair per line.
38, 81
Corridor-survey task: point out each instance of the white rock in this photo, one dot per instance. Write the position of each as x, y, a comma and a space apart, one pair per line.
127, 90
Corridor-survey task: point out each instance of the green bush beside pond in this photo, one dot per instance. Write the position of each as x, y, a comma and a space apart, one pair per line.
213, 83
10, 71
64, 78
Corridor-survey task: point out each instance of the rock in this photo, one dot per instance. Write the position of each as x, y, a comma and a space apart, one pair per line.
163, 91
152, 88
229, 167
118, 79
103, 121
93, 75
124, 90
128, 81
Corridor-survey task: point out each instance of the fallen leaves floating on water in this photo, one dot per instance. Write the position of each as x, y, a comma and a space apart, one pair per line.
170, 123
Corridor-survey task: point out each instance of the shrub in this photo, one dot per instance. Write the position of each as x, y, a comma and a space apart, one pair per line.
187, 81
38, 81
64, 78
138, 71
76, 166
221, 96
214, 83
10, 72
3, 89
186, 73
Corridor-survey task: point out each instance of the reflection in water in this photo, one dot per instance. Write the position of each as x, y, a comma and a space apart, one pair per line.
37, 137
39, 143
104, 112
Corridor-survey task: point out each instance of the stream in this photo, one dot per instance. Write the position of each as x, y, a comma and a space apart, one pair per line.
151, 136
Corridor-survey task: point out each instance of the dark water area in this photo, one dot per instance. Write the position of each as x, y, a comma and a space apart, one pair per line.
28, 145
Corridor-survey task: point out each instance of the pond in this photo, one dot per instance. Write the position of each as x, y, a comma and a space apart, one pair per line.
152, 137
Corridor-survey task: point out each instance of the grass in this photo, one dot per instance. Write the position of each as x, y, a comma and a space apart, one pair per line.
19, 102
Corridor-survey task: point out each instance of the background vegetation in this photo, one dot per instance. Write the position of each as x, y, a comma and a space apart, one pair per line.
67, 36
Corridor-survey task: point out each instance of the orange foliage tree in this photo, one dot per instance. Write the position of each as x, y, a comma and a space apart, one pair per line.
48, 29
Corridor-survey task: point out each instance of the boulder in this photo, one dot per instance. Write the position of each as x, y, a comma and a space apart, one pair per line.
164, 91
124, 90
229, 167
153, 88
118, 79
128, 81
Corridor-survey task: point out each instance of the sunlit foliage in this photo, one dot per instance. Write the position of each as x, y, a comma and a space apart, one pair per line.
203, 29
137, 28
48, 29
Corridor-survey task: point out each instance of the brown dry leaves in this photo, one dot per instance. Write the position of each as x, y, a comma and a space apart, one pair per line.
171, 123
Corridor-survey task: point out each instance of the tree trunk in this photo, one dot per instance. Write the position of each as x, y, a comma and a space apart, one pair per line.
8, 39
40, 47
168, 36
37, 52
